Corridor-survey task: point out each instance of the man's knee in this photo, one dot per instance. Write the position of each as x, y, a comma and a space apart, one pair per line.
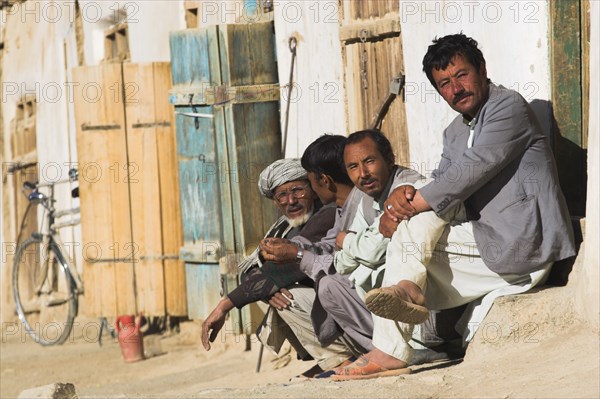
329, 291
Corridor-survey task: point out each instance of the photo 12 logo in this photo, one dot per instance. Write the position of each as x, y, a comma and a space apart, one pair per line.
469, 11
66, 11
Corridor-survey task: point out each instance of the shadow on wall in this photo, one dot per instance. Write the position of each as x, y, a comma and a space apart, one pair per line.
571, 161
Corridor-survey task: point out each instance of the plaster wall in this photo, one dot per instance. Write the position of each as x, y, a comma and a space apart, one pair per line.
513, 37
149, 23
149, 29
317, 99
587, 290
39, 39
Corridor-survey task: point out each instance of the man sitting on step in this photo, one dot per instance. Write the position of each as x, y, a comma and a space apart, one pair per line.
286, 183
491, 221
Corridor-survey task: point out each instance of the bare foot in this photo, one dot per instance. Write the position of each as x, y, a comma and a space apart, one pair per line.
385, 360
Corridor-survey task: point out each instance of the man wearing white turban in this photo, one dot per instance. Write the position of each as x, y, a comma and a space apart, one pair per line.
286, 288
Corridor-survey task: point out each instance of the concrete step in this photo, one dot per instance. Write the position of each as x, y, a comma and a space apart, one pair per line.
529, 319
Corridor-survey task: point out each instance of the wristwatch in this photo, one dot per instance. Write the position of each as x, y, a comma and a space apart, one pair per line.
299, 254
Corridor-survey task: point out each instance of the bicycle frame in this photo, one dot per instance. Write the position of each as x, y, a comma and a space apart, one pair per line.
51, 234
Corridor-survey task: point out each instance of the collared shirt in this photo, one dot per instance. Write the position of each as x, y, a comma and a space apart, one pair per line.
362, 257
471, 125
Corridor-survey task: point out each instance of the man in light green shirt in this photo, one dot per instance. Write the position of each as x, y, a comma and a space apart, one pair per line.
370, 164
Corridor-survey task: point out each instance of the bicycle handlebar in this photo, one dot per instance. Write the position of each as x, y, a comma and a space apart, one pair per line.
29, 185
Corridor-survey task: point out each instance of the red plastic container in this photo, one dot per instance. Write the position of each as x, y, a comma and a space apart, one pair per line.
130, 338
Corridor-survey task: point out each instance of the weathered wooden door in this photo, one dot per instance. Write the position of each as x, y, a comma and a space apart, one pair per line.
130, 216
372, 48
226, 95
14, 204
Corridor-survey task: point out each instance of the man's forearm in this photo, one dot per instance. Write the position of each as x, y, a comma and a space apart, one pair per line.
419, 203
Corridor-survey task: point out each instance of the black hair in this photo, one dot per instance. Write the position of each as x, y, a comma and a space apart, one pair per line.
325, 155
443, 49
383, 144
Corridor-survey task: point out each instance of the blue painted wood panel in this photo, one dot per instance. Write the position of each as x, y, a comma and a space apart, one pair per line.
254, 143
198, 178
203, 287
221, 157
191, 58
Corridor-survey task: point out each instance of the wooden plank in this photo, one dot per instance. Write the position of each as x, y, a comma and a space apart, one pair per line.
170, 206
144, 188
238, 55
200, 282
219, 95
375, 29
30, 224
253, 142
15, 227
261, 44
192, 9
352, 94
585, 69
198, 178
124, 275
91, 274
196, 152
220, 42
353, 10
104, 196
567, 101
250, 151
19, 228
189, 47
384, 61
248, 45
566, 68
8, 235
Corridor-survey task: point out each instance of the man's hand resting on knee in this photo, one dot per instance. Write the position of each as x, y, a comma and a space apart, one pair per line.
281, 300
404, 203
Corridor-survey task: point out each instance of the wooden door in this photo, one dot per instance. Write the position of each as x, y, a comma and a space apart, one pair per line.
130, 216
15, 227
154, 190
108, 270
372, 50
226, 105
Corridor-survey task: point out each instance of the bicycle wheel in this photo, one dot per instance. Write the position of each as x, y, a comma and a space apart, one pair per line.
44, 291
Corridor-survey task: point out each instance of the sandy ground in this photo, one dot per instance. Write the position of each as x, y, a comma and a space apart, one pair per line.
566, 365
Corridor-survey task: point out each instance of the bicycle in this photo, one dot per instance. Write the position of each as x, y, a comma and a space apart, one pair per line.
46, 286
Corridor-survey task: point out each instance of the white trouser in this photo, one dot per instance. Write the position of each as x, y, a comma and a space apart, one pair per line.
441, 257
295, 325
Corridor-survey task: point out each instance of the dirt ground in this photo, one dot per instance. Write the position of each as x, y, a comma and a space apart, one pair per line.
566, 365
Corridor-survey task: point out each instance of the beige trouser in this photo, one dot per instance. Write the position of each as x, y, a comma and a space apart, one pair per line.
441, 257
295, 325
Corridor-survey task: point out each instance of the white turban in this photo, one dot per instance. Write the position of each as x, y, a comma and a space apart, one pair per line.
278, 173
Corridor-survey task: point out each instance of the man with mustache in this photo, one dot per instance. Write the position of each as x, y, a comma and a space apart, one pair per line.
491, 221
342, 280
286, 183
370, 163
337, 294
